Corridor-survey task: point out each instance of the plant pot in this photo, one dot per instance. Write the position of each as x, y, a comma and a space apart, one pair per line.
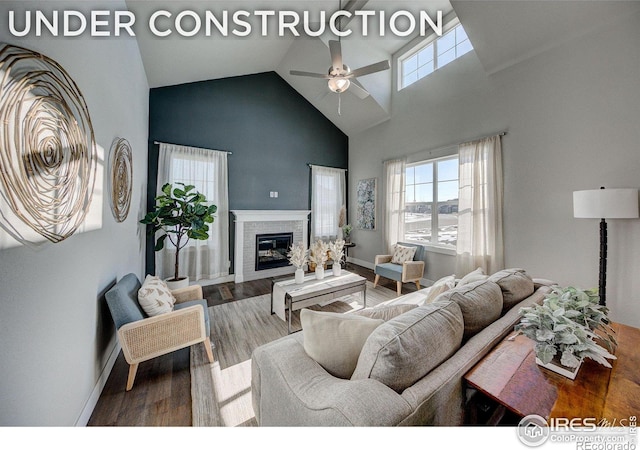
319, 273
337, 269
299, 276
177, 284
557, 367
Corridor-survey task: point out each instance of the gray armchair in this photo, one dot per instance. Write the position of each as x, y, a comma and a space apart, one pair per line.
410, 271
143, 338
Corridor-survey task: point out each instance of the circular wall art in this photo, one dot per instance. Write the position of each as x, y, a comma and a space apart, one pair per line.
121, 178
48, 154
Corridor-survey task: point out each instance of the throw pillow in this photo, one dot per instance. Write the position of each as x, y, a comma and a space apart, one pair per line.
472, 277
480, 303
405, 349
155, 297
386, 312
403, 254
516, 285
334, 340
440, 286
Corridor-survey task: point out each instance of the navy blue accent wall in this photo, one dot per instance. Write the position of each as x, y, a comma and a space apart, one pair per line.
272, 131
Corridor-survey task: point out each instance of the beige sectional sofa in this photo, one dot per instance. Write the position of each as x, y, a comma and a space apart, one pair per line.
410, 368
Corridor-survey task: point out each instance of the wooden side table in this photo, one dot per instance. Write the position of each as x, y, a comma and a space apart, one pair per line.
510, 377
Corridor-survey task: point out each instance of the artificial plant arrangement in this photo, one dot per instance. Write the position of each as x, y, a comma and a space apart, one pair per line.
318, 253
565, 327
298, 255
336, 250
181, 214
346, 232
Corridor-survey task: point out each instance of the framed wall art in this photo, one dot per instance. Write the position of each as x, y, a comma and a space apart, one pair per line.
366, 204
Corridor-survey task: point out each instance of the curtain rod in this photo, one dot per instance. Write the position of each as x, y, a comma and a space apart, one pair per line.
502, 133
326, 167
199, 148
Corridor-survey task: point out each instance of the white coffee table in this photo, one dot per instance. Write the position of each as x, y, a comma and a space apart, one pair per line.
287, 295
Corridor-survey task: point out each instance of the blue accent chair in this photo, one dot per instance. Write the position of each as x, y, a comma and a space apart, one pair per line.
410, 271
142, 337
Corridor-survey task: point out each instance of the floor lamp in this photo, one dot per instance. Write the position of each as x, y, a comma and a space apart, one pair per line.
605, 204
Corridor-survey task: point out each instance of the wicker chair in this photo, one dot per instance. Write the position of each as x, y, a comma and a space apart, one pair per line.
143, 338
410, 271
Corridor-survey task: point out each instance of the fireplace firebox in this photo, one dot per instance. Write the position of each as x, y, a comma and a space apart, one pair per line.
272, 249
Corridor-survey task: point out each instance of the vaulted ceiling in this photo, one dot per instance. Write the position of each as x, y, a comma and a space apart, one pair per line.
502, 33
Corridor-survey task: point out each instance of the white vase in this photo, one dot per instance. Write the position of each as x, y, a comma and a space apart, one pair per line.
337, 269
319, 273
179, 284
299, 275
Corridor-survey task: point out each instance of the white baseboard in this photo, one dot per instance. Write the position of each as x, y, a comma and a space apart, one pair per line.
85, 415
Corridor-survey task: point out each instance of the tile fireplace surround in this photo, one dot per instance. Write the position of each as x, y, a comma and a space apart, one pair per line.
249, 223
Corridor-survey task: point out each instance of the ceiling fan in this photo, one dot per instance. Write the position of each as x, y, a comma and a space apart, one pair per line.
340, 77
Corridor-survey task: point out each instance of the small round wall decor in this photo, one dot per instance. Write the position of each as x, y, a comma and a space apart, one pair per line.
48, 154
121, 173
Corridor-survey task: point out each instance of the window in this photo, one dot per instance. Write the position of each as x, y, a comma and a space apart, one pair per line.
327, 197
434, 55
431, 202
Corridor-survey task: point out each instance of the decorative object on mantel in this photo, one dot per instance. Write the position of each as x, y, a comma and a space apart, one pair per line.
120, 178
366, 204
48, 152
180, 213
318, 255
569, 326
346, 233
298, 257
605, 204
336, 253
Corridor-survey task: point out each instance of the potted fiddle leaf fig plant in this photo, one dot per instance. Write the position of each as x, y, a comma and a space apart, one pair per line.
181, 213
567, 327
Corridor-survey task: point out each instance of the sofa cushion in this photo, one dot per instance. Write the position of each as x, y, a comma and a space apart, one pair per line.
403, 254
440, 286
516, 285
385, 312
406, 348
155, 297
123, 301
334, 340
480, 303
472, 277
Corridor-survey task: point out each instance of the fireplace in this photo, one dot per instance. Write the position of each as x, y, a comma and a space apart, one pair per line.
272, 249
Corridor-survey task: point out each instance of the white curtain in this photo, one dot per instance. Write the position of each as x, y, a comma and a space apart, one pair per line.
394, 202
327, 197
207, 171
480, 242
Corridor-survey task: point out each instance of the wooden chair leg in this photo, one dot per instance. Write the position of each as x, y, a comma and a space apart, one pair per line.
375, 281
207, 347
133, 368
418, 284
399, 287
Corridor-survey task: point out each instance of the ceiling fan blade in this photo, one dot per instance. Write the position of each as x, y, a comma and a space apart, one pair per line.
372, 68
336, 55
358, 90
309, 74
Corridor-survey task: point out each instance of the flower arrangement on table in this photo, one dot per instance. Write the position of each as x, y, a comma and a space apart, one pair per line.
318, 253
298, 255
346, 232
336, 250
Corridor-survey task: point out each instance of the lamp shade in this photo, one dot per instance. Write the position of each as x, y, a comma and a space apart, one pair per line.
606, 204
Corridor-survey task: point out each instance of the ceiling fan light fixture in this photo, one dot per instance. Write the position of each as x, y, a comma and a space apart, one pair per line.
339, 85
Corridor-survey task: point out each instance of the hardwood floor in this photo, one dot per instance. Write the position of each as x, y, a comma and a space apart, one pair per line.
161, 395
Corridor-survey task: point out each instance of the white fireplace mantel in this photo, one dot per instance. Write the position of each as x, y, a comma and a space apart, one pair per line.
260, 216
248, 215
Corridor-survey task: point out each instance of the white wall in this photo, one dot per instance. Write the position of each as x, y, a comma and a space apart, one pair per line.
572, 115
56, 333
